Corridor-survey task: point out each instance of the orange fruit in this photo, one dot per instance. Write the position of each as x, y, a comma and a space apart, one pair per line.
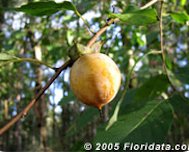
95, 79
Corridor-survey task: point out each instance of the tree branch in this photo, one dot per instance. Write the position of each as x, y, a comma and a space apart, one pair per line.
24, 112
161, 34
100, 32
67, 64
163, 53
104, 28
149, 4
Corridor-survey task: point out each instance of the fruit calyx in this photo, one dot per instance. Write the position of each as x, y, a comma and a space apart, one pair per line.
79, 49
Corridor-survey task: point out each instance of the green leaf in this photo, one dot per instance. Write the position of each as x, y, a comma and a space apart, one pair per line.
82, 49
138, 17
150, 124
152, 88
46, 8
180, 104
180, 17
70, 36
68, 6
183, 2
131, 8
7, 57
182, 74
115, 114
168, 62
40, 8
79, 49
152, 37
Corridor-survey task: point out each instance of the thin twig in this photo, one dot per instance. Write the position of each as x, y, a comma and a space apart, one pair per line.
161, 35
34, 61
100, 32
85, 22
58, 71
113, 119
24, 112
149, 4
162, 46
104, 28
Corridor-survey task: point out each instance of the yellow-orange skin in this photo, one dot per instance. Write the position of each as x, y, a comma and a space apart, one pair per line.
95, 79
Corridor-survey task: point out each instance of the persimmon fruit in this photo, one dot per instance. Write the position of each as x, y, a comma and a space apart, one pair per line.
95, 79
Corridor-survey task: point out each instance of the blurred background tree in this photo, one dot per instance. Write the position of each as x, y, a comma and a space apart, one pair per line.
58, 122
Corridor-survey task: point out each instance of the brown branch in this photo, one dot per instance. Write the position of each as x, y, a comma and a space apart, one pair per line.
24, 112
161, 34
100, 32
163, 53
149, 4
104, 28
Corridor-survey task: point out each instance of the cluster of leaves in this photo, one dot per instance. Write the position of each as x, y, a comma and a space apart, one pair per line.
149, 103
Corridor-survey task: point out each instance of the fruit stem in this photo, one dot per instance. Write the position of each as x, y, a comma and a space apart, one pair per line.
101, 114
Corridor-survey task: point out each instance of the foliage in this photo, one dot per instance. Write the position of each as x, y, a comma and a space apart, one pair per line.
45, 8
137, 17
153, 104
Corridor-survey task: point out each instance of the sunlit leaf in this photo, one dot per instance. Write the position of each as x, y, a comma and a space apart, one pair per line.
68, 6
183, 2
7, 57
46, 8
152, 88
182, 74
70, 37
180, 17
139, 17
40, 8
149, 123
131, 8
180, 104
115, 114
